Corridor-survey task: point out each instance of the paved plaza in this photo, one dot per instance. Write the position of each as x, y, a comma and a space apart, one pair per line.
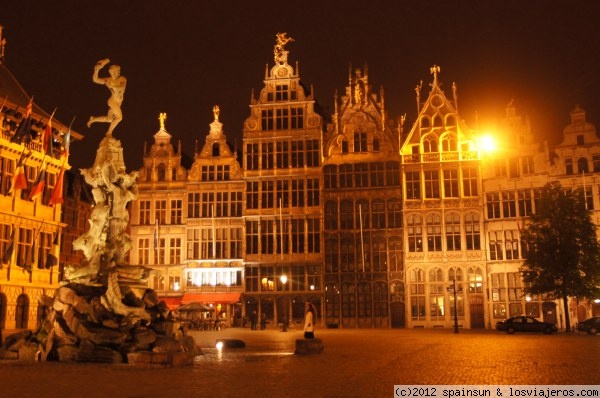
355, 363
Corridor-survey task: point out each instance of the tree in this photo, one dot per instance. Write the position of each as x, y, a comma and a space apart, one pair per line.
562, 252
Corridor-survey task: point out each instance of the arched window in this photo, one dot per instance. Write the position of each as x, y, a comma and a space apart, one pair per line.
394, 212
380, 299
415, 233
475, 280
22, 312
417, 294
363, 214
161, 172
425, 122
331, 215
452, 231
434, 232
348, 300
582, 165
430, 144
449, 143
436, 293
346, 215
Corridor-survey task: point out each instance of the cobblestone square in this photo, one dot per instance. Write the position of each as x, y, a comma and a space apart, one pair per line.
354, 363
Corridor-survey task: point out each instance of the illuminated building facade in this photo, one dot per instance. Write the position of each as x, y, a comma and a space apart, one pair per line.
282, 196
30, 208
443, 217
362, 209
188, 224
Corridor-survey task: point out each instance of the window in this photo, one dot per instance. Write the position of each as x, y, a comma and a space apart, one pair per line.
312, 192
252, 157
432, 184
415, 233
525, 203
144, 212
346, 176
193, 205
511, 243
430, 144
347, 254
596, 163
312, 153
472, 231
346, 215
161, 211
281, 92
436, 293
297, 154
332, 256
500, 168
394, 209
364, 299
283, 194
379, 255
348, 300
251, 275
267, 237
282, 155
193, 244
252, 237
569, 166
493, 205
361, 175
452, 231
417, 294
160, 252
267, 121
508, 204
297, 236
268, 194
515, 288
470, 181
362, 214
330, 176
496, 245
451, 184
297, 118
395, 251
175, 251
252, 194
331, 215
528, 165
378, 213
377, 174
582, 165
413, 185
380, 299
236, 204
267, 155
360, 142
392, 170
475, 280
144, 251
176, 211
434, 232
314, 235
297, 193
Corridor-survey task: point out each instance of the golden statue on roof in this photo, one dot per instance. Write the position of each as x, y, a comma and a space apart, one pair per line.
282, 40
216, 112
161, 118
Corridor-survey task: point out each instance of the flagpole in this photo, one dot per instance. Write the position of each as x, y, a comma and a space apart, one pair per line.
362, 241
281, 226
214, 231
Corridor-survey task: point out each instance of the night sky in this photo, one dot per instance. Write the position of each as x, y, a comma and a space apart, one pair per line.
182, 57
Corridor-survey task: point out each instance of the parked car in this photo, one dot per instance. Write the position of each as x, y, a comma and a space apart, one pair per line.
525, 324
591, 325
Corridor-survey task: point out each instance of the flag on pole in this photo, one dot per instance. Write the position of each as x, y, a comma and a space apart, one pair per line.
57, 192
9, 250
47, 138
66, 142
19, 180
54, 253
38, 186
24, 126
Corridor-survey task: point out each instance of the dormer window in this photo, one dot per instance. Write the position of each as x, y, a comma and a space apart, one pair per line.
282, 92
161, 172
216, 149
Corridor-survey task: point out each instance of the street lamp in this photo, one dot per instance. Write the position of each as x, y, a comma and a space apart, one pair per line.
453, 289
283, 280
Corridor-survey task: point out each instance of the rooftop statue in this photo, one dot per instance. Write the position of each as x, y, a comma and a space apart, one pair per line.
282, 40
116, 84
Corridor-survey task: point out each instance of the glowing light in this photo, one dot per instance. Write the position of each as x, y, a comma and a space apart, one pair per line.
219, 345
487, 143
283, 279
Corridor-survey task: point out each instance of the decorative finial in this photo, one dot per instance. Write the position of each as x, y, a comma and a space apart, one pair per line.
161, 118
434, 71
282, 40
216, 112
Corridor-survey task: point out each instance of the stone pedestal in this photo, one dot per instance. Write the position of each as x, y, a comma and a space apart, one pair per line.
309, 346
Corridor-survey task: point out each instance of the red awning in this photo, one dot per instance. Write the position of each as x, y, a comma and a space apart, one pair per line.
171, 302
211, 298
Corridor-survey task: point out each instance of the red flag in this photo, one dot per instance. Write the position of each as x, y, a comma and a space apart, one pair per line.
57, 191
19, 180
47, 138
38, 186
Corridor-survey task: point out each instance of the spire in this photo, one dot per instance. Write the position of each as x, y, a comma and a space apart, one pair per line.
418, 91
266, 71
297, 69
382, 108
454, 92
